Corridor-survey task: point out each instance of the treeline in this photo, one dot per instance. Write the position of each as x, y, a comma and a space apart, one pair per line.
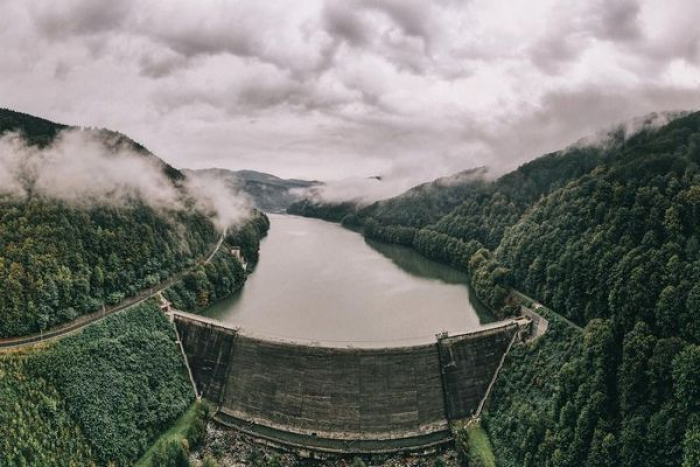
100, 397
248, 235
58, 262
609, 236
35, 426
333, 212
618, 250
223, 275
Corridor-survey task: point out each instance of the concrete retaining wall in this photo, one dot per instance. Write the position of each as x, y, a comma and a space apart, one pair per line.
336, 393
208, 349
346, 395
469, 362
539, 324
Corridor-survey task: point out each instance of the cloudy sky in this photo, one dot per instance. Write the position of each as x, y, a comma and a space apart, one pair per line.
410, 89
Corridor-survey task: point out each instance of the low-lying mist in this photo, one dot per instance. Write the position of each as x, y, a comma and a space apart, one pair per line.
362, 191
402, 177
79, 168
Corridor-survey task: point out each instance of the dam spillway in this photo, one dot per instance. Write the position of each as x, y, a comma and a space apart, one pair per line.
340, 399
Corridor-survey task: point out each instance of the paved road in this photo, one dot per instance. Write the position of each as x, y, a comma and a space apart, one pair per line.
216, 248
91, 318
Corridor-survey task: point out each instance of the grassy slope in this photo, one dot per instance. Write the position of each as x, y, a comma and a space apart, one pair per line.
176, 432
480, 446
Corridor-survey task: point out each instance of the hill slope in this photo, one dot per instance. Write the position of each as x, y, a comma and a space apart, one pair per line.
72, 242
607, 235
268, 192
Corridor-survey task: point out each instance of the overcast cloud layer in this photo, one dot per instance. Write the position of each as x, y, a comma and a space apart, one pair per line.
407, 89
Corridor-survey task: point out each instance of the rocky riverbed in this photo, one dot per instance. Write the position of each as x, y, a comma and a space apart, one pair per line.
231, 448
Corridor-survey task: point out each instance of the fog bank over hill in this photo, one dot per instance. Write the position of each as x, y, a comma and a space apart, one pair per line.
266, 192
409, 180
83, 169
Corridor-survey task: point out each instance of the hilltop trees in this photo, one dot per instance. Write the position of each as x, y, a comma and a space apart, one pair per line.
607, 235
57, 262
96, 398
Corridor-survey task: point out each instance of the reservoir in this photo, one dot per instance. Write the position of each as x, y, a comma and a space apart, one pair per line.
317, 281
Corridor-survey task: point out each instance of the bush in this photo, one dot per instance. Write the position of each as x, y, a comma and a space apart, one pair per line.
124, 381
171, 453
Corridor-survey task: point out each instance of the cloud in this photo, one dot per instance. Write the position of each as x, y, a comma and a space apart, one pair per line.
618, 21
87, 168
350, 89
344, 22
363, 191
81, 17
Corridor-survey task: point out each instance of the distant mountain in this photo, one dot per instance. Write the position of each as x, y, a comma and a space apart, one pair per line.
431, 199
268, 192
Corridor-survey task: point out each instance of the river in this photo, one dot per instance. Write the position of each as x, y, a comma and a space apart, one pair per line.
317, 281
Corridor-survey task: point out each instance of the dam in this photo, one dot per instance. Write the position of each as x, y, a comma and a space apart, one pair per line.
341, 345
342, 399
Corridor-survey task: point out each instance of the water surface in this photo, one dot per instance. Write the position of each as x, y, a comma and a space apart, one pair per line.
317, 281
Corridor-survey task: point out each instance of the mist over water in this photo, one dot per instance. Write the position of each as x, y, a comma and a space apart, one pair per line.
317, 281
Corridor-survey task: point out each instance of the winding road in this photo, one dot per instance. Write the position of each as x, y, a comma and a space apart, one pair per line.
91, 318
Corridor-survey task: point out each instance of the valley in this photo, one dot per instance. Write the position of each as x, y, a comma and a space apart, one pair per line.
616, 364
366, 233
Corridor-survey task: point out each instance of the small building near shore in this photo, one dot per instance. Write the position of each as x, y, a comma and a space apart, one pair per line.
236, 253
164, 304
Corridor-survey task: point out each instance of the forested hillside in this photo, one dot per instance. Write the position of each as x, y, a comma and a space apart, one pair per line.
608, 236
61, 258
223, 275
58, 262
97, 398
267, 192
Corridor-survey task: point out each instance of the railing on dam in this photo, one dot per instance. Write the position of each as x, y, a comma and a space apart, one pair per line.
343, 399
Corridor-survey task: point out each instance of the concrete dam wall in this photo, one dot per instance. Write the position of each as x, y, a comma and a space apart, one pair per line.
342, 399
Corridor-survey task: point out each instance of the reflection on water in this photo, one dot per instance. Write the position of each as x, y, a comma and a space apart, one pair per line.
317, 281
419, 266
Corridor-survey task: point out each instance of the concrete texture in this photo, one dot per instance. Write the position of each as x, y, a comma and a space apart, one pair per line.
539, 324
336, 392
208, 350
469, 362
360, 398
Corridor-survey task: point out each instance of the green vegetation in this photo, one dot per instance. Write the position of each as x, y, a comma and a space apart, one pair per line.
123, 380
480, 450
190, 427
207, 283
528, 391
103, 395
35, 425
248, 236
609, 236
59, 261
224, 275
99, 397
329, 212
